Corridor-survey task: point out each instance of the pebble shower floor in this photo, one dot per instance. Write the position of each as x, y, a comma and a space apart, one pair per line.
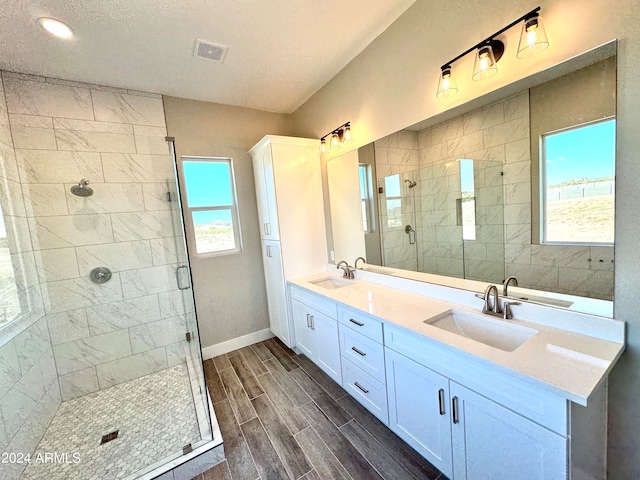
155, 417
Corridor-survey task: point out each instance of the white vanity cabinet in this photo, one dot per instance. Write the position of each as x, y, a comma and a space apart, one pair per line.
316, 330
291, 213
464, 434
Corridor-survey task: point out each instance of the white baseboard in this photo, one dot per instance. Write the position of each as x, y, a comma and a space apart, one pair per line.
235, 343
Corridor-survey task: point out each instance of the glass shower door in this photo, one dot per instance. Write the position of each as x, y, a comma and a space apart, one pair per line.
185, 297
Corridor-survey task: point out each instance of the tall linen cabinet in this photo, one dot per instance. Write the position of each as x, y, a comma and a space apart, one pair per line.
291, 212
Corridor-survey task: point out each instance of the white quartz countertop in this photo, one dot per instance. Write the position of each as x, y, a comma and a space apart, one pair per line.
569, 364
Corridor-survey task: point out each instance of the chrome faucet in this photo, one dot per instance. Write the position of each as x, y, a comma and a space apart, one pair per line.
348, 272
491, 308
509, 280
355, 264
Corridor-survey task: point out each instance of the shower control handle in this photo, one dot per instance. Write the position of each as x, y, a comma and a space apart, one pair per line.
100, 275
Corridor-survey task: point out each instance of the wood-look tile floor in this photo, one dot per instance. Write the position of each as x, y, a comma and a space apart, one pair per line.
281, 417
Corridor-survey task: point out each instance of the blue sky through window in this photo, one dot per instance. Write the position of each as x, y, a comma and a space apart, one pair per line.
208, 183
584, 152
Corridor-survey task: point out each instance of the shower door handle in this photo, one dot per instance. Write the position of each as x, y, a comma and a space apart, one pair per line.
409, 230
179, 278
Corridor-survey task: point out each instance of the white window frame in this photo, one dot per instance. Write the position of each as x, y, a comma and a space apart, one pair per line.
543, 185
367, 200
188, 210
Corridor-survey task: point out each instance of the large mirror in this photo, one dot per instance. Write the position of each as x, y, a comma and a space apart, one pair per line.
516, 185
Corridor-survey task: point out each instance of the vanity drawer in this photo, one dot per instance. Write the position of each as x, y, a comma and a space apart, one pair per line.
367, 354
310, 299
361, 322
366, 390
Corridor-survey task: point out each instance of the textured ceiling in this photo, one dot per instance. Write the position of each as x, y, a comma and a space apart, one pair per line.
280, 51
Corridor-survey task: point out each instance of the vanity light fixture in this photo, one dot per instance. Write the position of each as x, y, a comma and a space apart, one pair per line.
56, 27
533, 39
337, 137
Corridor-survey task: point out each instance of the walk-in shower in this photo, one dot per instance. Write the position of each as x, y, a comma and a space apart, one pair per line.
101, 374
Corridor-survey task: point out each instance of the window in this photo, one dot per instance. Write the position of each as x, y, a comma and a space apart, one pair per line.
578, 184
211, 205
364, 176
467, 204
393, 200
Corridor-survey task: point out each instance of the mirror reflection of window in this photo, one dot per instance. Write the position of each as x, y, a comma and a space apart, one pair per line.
393, 197
468, 200
9, 299
578, 184
364, 177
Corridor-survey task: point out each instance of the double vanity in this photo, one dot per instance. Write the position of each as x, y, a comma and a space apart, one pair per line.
478, 396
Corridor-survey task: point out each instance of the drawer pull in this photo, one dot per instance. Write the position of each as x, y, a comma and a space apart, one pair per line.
358, 351
454, 402
360, 324
361, 387
441, 401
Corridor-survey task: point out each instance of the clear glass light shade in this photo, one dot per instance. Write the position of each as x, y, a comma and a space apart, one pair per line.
533, 38
335, 141
346, 135
447, 85
323, 146
485, 63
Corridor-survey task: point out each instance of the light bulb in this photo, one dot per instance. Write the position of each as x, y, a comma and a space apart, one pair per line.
323, 146
56, 27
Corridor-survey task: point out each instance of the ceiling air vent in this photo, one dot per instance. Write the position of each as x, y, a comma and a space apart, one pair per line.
210, 51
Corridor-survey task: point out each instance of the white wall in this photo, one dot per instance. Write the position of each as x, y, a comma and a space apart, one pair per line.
392, 85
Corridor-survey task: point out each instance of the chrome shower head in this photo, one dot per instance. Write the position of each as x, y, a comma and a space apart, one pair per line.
410, 182
82, 189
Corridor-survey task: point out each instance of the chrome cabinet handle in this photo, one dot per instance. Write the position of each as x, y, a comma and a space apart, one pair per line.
358, 351
266, 228
356, 322
308, 321
454, 408
361, 387
268, 251
313, 325
441, 401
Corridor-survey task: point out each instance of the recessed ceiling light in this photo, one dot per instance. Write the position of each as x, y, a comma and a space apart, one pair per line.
56, 27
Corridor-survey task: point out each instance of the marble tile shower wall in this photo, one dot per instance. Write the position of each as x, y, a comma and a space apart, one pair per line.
29, 388
133, 325
397, 154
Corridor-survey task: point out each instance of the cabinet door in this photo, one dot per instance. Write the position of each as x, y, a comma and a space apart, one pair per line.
266, 194
492, 442
418, 409
305, 338
327, 345
275, 286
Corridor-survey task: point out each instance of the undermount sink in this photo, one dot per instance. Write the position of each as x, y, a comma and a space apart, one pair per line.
484, 329
331, 283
